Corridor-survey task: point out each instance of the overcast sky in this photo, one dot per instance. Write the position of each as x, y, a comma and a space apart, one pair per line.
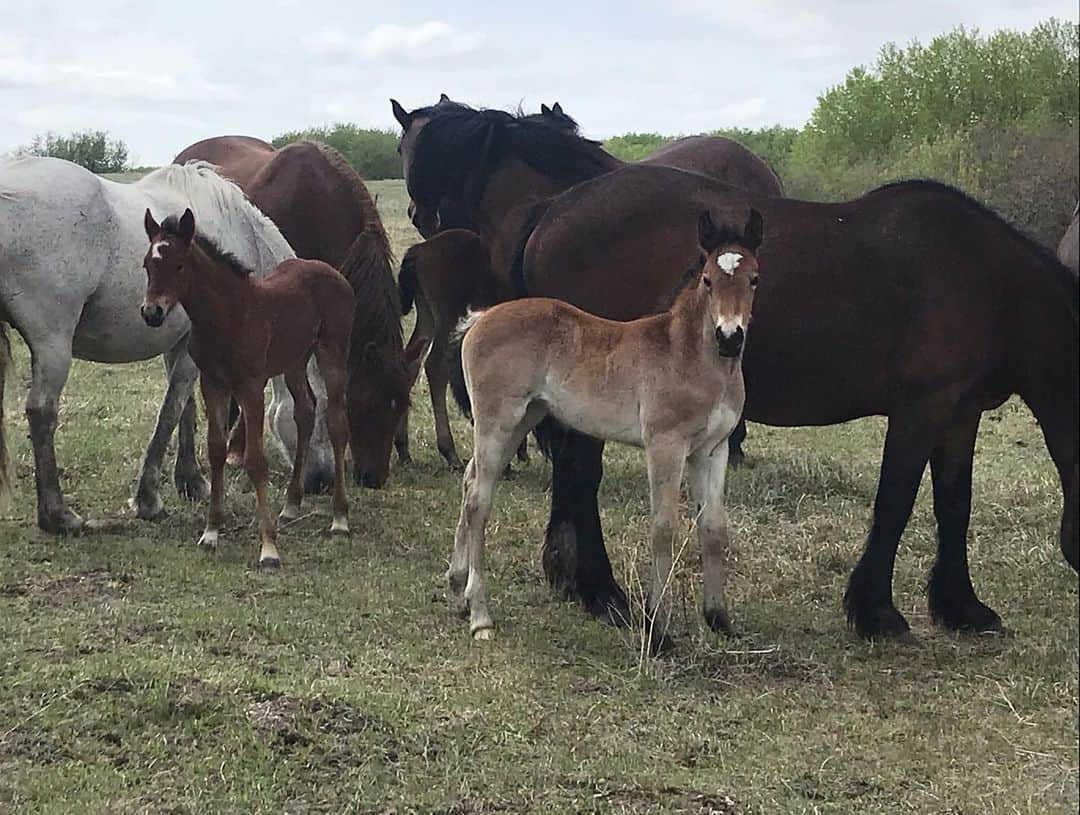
163, 75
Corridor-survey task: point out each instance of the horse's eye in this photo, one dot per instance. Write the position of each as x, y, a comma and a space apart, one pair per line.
754, 281
707, 282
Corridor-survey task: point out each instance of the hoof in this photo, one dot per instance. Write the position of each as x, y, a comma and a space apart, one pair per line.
192, 487
234, 459
880, 623
340, 526
270, 564
718, 620
971, 617
608, 606
209, 539
288, 513
486, 633
64, 522
150, 510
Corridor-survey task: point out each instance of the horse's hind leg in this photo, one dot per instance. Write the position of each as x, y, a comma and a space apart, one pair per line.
953, 603
51, 361
438, 377
333, 363
304, 415
707, 474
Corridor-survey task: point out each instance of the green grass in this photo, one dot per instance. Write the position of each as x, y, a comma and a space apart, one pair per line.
140, 674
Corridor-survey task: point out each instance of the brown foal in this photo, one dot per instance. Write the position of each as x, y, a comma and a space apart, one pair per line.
245, 330
671, 383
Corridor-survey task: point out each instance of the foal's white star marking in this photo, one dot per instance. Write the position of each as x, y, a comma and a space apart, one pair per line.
729, 262
155, 250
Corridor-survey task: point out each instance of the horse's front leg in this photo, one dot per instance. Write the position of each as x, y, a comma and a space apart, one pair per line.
181, 372
707, 473
217, 416
250, 398
665, 459
51, 361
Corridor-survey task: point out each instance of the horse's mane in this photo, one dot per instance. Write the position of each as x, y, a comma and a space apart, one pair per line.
459, 147
1063, 278
368, 265
226, 219
171, 227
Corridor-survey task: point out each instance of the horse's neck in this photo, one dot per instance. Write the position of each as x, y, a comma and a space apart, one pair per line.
215, 296
689, 322
513, 183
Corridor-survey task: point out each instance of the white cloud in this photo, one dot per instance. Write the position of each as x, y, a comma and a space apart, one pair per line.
433, 39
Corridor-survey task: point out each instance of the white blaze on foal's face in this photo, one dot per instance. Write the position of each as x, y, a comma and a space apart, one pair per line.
156, 250
729, 323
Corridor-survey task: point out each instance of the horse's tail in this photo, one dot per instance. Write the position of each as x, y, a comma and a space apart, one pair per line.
406, 281
5, 457
453, 356
528, 226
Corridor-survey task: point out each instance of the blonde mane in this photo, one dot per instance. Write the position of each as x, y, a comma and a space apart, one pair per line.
223, 214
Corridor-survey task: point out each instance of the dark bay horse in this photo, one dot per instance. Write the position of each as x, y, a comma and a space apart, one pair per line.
484, 170
320, 203
1069, 248
892, 304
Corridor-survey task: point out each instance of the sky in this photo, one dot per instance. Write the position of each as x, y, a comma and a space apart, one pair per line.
161, 76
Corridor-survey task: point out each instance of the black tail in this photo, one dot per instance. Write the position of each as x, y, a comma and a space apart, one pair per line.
517, 265
407, 280
457, 374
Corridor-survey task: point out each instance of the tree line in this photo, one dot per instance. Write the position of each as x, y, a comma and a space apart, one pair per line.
995, 115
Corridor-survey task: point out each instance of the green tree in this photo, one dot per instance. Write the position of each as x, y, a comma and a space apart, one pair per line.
372, 152
92, 149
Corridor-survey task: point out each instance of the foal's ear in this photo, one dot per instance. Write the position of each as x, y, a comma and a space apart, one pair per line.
545, 110
557, 109
150, 225
186, 229
404, 118
443, 98
755, 229
709, 236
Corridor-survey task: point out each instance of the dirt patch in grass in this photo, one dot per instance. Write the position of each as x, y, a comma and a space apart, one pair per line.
84, 587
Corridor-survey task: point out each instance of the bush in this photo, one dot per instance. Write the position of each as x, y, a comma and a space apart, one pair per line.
92, 149
372, 152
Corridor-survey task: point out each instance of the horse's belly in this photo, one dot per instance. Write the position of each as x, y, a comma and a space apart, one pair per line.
117, 335
611, 420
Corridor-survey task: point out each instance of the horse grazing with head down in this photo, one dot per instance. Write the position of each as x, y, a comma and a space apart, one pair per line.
670, 383
244, 331
322, 206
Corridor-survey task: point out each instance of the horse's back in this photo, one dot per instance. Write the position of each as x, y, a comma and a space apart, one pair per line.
238, 157
722, 159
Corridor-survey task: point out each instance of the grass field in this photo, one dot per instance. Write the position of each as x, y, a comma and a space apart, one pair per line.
140, 674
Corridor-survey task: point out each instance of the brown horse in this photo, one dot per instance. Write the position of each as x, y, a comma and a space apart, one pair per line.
245, 330
320, 203
893, 304
1069, 248
671, 384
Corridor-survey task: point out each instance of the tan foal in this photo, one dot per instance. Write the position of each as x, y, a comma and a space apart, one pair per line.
670, 383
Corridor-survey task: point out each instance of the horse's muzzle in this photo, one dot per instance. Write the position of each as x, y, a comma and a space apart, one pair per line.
730, 345
153, 315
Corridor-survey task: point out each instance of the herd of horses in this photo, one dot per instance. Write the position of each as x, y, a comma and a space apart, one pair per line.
630, 289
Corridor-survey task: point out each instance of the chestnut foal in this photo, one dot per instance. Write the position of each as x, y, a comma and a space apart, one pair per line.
671, 383
245, 330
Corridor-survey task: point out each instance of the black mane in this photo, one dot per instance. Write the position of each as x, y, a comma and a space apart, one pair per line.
171, 227
459, 147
